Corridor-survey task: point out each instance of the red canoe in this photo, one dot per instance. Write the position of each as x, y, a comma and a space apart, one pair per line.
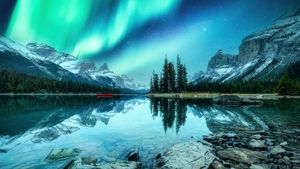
105, 95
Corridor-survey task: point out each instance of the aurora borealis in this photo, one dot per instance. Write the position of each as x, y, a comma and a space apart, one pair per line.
81, 27
131, 35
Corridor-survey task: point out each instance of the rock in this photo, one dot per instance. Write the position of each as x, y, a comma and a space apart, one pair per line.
235, 100
217, 165
283, 143
3, 151
133, 156
256, 136
257, 144
295, 161
62, 153
121, 165
277, 150
117, 165
89, 160
187, 155
256, 167
241, 155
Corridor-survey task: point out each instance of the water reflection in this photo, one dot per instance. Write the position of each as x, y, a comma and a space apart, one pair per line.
109, 128
170, 110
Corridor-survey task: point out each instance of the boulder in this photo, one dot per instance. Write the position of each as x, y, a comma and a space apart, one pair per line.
62, 153
241, 155
133, 156
187, 155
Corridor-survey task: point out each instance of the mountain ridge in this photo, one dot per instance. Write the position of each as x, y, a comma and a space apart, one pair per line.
265, 54
43, 60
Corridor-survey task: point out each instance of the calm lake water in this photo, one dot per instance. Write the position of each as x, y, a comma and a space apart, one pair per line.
30, 127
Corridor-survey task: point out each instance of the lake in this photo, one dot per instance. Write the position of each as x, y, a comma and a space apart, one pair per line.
109, 128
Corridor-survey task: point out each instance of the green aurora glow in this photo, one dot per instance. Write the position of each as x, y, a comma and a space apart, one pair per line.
82, 27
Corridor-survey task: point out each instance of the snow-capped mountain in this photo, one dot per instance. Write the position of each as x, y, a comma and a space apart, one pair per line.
43, 60
87, 70
265, 54
14, 56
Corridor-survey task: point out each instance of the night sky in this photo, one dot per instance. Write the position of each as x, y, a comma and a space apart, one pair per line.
134, 36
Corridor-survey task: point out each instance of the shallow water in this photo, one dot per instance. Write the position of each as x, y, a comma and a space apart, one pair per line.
30, 127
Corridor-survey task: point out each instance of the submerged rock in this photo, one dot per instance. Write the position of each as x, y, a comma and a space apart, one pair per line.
241, 155
62, 153
117, 165
187, 155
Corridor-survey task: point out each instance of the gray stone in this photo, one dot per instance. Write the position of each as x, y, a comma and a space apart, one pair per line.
283, 143
277, 150
256, 167
217, 165
257, 144
89, 160
187, 155
62, 153
256, 136
241, 155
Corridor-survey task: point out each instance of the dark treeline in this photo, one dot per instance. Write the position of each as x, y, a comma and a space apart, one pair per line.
284, 86
170, 80
11, 81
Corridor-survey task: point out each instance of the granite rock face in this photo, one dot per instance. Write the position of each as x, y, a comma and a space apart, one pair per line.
187, 155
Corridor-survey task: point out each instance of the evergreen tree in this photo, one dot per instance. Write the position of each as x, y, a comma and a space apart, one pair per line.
155, 83
165, 77
151, 84
184, 78
179, 83
171, 78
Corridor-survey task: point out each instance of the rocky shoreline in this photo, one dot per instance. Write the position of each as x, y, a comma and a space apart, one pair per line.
240, 149
256, 149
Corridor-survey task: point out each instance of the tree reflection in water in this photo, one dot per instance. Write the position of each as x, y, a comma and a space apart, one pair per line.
170, 110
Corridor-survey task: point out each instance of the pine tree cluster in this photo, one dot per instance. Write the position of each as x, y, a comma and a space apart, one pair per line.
171, 80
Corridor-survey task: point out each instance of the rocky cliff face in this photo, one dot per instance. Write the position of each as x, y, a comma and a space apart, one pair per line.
265, 54
221, 59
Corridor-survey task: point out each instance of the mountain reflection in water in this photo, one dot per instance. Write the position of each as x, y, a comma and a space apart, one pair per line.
109, 128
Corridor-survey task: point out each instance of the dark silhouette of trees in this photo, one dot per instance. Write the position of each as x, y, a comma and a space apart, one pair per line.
12, 82
287, 86
172, 79
172, 111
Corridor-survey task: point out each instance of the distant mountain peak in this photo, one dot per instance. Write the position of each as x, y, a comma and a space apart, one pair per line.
104, 67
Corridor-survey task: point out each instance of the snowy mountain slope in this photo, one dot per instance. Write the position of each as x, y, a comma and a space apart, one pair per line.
16, 57
85, 69
264, 54
43, 60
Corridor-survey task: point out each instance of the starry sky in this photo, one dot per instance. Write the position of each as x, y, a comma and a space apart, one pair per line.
134, 36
